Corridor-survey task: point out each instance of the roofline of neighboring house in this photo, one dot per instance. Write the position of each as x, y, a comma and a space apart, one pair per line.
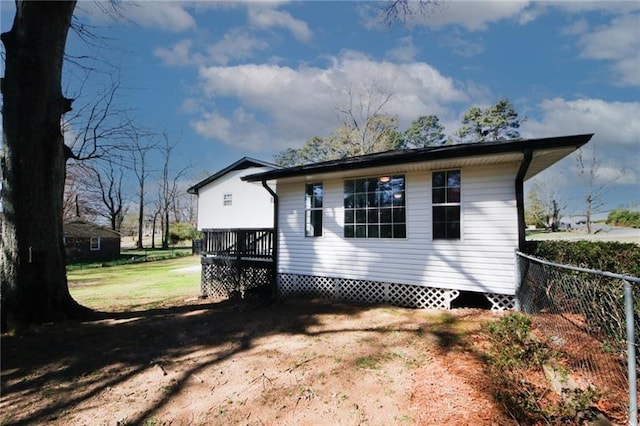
243, 163
81, 224
424, 154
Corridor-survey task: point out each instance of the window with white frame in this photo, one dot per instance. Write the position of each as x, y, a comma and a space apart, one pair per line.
313, 210
375, 207
445, 199
227, 199
94, 244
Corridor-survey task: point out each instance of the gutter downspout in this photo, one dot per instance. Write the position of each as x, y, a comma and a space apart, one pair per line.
274, 277
524, 167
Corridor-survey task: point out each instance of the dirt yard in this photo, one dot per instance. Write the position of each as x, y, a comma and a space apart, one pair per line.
222, 363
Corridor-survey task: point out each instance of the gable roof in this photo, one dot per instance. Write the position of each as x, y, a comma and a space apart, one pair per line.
545, 152
241, 164
81, 229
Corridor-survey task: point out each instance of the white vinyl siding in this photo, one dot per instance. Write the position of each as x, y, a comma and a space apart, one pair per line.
482, 260
229, 202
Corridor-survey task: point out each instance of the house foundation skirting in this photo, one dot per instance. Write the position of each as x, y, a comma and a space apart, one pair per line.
227, 278
364, 291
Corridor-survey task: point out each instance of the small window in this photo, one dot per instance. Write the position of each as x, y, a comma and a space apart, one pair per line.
94, 245
445, 200
313, 210
227, 199
375, 207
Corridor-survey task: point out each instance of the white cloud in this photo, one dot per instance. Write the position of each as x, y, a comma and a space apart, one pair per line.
177, 55
267, 17
460, 45
405, 51
236, 44
283, 106
614, 124
619, 42
164, 15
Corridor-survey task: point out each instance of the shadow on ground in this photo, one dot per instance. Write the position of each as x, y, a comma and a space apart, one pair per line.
77, 361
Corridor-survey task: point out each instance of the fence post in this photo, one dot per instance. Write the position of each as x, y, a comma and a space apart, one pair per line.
518, 279
631, 354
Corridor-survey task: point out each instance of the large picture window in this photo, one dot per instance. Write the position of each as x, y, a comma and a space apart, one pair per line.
313, 210
445, 195
375, 207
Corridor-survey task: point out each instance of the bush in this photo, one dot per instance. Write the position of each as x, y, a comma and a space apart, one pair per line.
619, 258
624, 218
181, 232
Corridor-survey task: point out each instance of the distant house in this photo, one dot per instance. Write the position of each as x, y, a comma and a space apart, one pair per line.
89, 242
412, 227
225, 201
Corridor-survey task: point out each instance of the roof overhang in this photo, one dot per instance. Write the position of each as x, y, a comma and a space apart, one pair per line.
545, 152
243, 163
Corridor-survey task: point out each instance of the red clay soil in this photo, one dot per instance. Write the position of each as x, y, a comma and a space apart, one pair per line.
291, 363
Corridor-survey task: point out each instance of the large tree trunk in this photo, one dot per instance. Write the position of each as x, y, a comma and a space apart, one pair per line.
32, 259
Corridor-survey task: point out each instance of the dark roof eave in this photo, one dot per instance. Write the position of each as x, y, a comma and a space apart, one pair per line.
424, 154
244, 160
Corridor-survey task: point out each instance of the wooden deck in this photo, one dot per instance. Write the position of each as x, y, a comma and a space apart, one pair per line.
237, 262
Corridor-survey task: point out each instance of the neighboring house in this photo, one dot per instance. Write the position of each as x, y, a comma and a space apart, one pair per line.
225, 201
89, 242
412, 227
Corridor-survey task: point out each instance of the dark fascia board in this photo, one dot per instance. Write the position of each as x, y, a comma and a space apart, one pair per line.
424, 154
243, 163
80, 228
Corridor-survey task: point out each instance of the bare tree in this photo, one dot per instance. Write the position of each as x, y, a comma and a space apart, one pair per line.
141, 146
106, 187
595, 186
365, 126
168, 188
406, 10
99, 127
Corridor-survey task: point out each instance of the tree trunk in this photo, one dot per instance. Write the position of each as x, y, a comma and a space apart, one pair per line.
139, 244
32, 258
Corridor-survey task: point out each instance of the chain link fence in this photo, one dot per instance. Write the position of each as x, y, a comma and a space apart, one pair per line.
587, 317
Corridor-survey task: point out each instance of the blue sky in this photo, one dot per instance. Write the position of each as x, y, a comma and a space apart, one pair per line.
229, 79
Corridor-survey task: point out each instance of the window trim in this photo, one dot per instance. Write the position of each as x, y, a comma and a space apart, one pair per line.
227, 199
395, 226
92, 246
445, 204
311, 229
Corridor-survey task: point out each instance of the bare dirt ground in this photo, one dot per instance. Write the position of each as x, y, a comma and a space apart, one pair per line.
290, 363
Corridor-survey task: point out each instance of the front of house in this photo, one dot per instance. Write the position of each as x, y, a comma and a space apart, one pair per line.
410, 228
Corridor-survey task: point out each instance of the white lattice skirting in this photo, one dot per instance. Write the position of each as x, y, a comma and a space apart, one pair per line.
362, 291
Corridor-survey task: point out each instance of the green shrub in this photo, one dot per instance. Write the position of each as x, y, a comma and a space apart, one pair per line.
512, 343
181, 232
619, 258
624, 218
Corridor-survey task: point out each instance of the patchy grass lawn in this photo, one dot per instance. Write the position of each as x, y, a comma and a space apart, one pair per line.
136, 286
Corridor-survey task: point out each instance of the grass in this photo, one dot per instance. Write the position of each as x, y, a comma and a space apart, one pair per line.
136, 286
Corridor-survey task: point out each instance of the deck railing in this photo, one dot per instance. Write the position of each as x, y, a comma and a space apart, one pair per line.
238, 243
237, 262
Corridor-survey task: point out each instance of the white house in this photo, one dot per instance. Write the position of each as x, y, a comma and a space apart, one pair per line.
411, 228
226, 201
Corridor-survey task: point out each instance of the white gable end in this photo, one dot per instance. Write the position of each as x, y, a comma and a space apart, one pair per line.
248, 204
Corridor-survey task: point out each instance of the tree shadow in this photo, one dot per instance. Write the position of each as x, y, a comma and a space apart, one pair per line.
75, 358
